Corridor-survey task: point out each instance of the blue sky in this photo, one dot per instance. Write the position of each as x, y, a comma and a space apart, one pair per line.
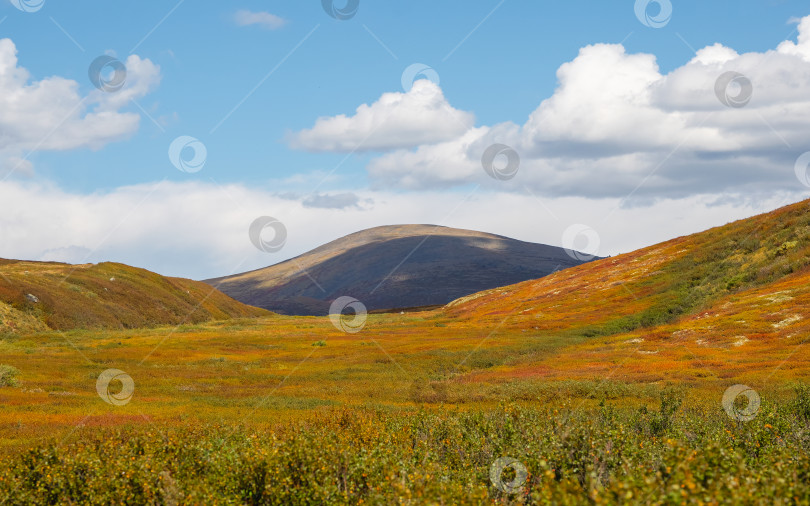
497, 60
209, 64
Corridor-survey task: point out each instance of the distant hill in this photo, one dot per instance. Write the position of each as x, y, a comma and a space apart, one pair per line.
402, 266
42, 295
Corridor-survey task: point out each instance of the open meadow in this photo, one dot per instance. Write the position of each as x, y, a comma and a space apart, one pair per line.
417, 408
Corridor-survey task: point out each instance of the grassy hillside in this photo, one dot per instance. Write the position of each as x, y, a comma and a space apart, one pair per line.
35, 296
655, 285
402, 266
728, 302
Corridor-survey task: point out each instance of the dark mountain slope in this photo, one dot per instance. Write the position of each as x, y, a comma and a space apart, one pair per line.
395, 267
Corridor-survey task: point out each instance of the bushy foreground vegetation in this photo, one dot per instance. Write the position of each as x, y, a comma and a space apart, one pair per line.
675, 451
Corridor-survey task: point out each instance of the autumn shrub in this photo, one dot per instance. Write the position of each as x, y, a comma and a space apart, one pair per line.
603, 454
802, 402
8, 376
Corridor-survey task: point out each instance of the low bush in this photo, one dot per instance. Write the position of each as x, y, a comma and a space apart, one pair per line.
555, 454
8, 376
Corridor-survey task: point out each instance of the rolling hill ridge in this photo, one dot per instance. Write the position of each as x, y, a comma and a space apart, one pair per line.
38, 296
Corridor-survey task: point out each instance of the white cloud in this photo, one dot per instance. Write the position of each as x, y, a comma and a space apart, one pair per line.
200, 230
396, 120
435, 165
67, 254
263, 19
16, 164
615, 122
50, 114
143, 76
802, 48
332, 201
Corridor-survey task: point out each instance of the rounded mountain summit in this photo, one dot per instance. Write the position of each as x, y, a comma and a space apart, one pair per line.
393, 268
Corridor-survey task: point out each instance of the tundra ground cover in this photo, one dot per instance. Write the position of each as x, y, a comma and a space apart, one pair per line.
605, 381
416, 409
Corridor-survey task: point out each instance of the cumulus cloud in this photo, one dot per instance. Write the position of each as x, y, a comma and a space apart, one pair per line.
200, 230
50, 114
263, 19
395, 121
616, 124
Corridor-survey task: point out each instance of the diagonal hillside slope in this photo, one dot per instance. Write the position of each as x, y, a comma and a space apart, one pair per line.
394, 267
756, 336
656, 284
726, 302
37, 296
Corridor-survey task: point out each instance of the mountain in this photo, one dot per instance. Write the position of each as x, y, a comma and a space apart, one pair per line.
401, 266
36, 296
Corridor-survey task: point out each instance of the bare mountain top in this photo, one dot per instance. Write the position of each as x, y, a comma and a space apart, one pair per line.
398, 266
